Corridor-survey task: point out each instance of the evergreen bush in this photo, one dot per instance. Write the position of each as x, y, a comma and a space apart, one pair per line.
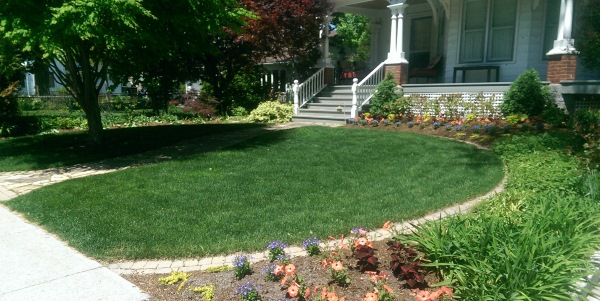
385, 95
526, 95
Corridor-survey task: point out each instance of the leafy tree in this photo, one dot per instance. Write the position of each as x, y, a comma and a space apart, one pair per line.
81, 39
77, 38
172, 48
286, 30
353, 36
588, 32
10, 74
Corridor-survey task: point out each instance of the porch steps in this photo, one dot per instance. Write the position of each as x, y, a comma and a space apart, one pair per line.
332, 105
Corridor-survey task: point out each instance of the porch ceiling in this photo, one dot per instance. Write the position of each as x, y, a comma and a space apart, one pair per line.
372, 4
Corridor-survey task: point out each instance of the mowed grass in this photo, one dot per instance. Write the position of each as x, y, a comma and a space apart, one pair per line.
65, 149
283, 185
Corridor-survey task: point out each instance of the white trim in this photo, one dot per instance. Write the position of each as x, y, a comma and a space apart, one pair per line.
486, 46
564, 43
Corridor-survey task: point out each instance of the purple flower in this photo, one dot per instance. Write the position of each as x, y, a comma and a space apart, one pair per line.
276, 244
357, 230
240, 261
311, 241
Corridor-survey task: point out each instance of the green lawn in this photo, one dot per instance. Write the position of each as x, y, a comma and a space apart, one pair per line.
283, 185
56, 150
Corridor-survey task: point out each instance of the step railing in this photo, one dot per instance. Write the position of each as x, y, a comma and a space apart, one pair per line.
363, 91
305, 91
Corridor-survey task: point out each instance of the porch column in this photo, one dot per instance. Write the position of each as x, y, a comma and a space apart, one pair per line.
325, 61
396, 61
562, 59
396, 54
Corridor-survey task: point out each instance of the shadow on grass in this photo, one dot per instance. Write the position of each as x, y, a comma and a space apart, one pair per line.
66, 149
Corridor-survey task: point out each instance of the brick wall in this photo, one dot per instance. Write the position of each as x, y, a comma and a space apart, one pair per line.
561, 67
400, 72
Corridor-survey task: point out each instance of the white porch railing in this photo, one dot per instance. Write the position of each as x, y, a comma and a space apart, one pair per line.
305, 91
363, 91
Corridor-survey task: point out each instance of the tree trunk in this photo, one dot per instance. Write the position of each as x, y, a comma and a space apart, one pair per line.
89, 103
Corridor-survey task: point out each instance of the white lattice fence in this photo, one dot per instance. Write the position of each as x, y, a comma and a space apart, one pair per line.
480, 104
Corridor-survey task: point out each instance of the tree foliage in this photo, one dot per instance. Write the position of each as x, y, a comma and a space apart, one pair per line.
588, 33
82, 39
172, 48
286, 31
77, 38
353, 36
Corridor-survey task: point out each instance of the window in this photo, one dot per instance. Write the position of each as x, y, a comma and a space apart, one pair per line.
488, 31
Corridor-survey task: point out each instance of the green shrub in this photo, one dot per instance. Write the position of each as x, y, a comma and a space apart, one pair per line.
385, 95
587, 126
526, 95
537, 254
9, 106
531, 242
272, 111
63, 123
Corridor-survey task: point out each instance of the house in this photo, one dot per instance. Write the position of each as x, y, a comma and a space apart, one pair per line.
473, 46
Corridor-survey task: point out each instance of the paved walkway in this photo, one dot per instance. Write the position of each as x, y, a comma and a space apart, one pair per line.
39, 264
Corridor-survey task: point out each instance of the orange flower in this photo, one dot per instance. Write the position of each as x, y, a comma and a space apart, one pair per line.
362, 232
446, 291
283, 280
290, 269
279, 269
324, 293
370, 297
337, 266
389, 289
342, 245
324, 263
307, 292
360, 242
435, 295
293, 290
387, 225
423, 296
332, 297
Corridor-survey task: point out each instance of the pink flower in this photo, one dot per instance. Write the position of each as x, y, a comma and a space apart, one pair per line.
279, 269
290, 269
371, 297
423, 296
337, 266
293, 290
387, 225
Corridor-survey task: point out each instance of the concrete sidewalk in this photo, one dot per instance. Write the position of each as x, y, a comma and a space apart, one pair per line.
37, 266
